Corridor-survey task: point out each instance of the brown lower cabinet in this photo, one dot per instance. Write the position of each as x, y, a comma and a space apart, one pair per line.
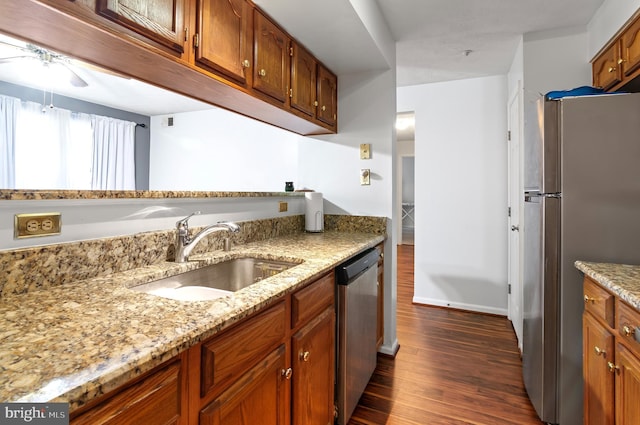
275, 367
611, 358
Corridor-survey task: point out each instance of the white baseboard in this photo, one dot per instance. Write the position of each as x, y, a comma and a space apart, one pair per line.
389, 350
461, 306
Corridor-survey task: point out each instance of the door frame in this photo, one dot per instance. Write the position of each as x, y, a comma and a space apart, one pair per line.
515, 216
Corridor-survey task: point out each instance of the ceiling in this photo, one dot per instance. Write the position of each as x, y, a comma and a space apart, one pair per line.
431, 39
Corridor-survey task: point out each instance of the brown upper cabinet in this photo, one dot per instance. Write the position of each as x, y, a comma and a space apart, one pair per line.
327, 96
303, 80
224, 38
617, 66
162, 21
270, 53
314, 89
606, 68
630, 45
223, 52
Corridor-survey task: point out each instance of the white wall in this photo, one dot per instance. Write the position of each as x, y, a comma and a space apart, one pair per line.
332, 164
461, 196
218, 150
555, 60
608, 19
99, 218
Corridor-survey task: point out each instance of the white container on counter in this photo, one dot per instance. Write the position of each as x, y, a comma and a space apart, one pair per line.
314, 212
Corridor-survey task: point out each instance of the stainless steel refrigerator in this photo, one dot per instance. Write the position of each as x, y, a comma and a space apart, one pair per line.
582, 202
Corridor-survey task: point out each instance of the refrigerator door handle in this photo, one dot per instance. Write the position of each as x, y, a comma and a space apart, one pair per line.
535, 196
532, 196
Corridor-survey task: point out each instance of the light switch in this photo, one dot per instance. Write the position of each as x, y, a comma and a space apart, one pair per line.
365, 177
365, 151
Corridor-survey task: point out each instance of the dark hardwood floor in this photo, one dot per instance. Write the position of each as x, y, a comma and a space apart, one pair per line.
453, 367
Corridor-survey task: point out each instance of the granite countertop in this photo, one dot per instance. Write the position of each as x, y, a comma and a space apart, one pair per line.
621, 279
74, 342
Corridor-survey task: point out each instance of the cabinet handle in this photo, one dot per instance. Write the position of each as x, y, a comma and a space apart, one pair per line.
612, 69
262, 73
599, 352
287, 373
627, 330
588, 299
304, 356
246, 63
612, 367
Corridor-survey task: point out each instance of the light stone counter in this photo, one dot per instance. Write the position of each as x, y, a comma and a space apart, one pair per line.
621, 279
76, 341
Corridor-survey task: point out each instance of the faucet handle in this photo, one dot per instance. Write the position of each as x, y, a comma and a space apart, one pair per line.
184, 223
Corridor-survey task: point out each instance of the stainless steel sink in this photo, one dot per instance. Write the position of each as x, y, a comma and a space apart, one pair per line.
215, 281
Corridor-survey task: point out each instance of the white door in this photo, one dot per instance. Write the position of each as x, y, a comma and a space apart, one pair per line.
515, 195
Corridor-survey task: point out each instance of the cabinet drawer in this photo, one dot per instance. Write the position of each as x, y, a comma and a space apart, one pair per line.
598, 301
310, 301
226, 357
628, 325
154, 400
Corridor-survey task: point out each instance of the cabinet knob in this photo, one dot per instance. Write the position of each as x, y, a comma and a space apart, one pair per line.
612, 69
588, 299
287, 373
621, 61
304, 356
599, 352
324, 108
612, 367
627, 330
246, 63
315, 103
262, 73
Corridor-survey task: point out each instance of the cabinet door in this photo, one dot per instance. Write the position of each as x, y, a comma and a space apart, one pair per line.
159, 20
225, 36
606, 70
327, 96
598, 349
380, 327
270, 50
313, 350
303, 80
258, 397
627, 387
631, 48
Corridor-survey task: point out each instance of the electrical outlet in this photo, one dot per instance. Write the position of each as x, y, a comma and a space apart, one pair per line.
283, 206
34, 225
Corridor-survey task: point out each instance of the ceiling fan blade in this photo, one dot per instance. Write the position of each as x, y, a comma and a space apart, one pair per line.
95, 68
74, 78
12, 58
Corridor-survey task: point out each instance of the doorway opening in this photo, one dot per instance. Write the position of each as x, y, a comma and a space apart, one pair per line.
405, 137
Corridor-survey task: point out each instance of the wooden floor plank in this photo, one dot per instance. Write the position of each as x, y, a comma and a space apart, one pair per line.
453, 367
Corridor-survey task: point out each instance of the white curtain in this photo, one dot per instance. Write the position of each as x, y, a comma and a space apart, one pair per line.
8, 113
113, 154
44, 147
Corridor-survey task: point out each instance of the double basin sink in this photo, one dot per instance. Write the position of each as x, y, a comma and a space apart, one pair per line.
215, 281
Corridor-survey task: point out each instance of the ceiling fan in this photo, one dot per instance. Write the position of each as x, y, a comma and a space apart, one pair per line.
46, 58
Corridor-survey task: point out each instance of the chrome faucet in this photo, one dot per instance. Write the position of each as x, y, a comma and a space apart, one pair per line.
184, 243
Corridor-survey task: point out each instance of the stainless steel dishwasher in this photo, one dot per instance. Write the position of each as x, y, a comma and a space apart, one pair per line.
357, 307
